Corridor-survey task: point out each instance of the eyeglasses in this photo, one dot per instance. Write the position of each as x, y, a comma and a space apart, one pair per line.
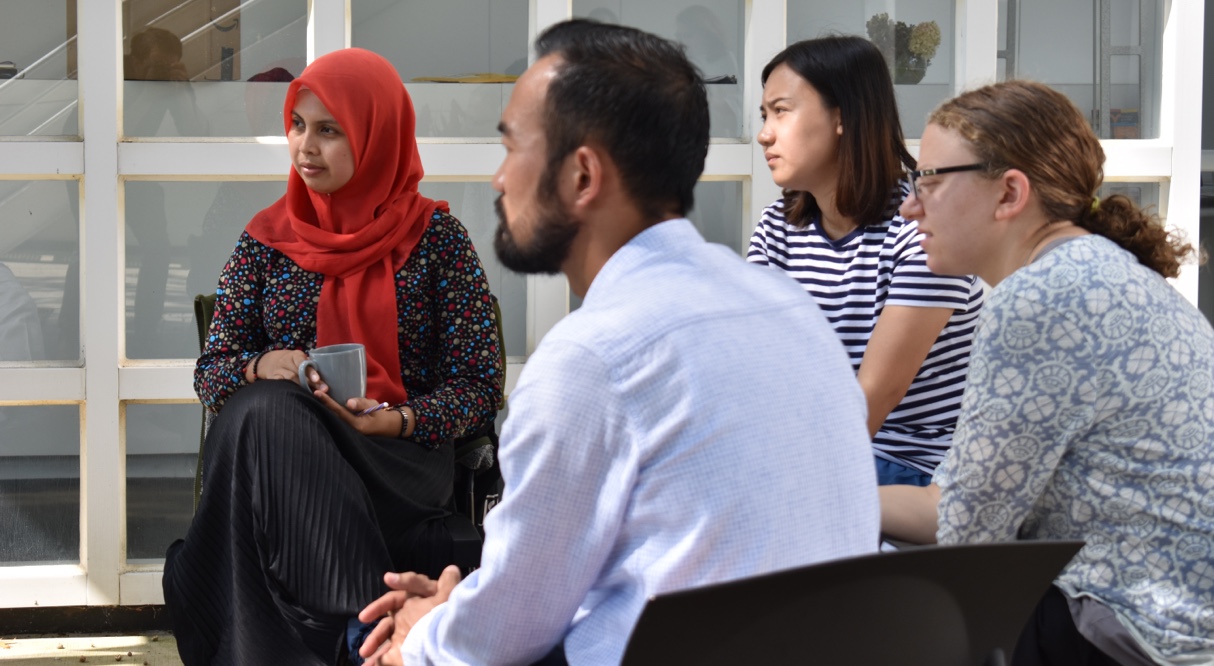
916, 175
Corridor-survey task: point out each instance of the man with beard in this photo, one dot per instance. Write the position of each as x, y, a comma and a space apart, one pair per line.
695, 421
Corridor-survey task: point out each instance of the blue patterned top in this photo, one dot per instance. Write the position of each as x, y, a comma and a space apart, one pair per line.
1090, 415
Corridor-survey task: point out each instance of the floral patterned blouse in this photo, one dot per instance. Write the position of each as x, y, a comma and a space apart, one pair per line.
450, 363
1089, 415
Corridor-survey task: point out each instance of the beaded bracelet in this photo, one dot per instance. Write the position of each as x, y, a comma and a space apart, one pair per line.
256, 360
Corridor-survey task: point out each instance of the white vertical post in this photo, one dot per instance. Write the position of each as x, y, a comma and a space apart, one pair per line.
547, 295
100, 80
328, 27
545, 13
976, 36
1180, 125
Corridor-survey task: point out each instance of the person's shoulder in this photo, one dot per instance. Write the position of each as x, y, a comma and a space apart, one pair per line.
444, 231
903, 228
247, 245
442, 222
893, 202
582, 337
774, 214
900, 235
1096, 262
706, 280
1065, 279
761, 286
1074, 260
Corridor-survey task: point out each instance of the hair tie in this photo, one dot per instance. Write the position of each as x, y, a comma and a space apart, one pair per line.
1095, 204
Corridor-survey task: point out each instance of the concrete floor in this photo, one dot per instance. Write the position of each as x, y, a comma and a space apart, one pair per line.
150, 649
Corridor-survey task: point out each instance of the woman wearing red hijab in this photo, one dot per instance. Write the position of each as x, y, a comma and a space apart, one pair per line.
307, 502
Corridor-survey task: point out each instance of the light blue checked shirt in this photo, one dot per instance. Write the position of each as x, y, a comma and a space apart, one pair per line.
696, 421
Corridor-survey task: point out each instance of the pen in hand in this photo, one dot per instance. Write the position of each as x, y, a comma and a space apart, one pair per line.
372, 410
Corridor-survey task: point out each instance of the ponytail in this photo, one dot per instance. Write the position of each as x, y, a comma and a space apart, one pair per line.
1121, 221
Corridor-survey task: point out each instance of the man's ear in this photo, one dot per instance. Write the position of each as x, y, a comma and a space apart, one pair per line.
585, 175
1014, 193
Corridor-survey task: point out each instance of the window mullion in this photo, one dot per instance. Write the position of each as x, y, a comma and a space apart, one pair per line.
101, 513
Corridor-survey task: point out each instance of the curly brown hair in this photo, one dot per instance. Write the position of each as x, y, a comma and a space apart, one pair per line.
1037, 130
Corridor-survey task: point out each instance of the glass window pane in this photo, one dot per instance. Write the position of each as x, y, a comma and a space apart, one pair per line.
1144, 195
458, 85
1125, 116
717, 215
712, 31
1124, 24
472, 204
38, 91
161, 458
1108, 63
179, 235
39, 271
210, 67
40, 484
916, 36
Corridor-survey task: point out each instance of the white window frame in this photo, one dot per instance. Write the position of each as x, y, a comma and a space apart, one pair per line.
108, 379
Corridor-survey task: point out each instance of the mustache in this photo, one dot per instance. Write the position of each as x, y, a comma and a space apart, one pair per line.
500, 208
502, 232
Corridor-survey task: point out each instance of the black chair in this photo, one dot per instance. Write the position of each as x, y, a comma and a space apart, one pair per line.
204, 311
478, 479
938, 605
477, 483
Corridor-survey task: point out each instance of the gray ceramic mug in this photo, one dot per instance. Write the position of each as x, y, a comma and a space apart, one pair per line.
343, 367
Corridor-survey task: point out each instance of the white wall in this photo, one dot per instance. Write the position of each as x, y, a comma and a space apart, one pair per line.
417, 35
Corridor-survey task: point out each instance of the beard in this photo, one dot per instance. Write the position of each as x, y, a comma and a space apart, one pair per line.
552, 236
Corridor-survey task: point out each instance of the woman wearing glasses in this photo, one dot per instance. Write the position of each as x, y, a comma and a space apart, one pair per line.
1089, 412
834, 143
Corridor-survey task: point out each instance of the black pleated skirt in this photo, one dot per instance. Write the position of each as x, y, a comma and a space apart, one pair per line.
299, 518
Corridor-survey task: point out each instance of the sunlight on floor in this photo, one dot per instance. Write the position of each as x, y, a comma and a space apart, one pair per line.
153, 649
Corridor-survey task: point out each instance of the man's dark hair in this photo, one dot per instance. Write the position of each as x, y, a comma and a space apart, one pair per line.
637, 96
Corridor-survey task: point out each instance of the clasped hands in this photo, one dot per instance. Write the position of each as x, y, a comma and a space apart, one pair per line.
412, 596
284, 364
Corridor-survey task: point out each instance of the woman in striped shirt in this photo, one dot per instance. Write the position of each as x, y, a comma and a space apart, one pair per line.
833, 142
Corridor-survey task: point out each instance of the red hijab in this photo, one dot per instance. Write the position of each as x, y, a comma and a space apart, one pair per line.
359, 236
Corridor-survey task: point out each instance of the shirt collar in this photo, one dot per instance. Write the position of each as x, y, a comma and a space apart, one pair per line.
662, 240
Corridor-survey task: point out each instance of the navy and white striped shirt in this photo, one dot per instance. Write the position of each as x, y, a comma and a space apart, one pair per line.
853, 279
